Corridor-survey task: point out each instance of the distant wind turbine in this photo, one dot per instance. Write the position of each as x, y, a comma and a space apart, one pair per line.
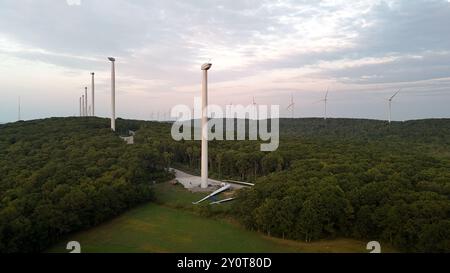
325, 101
86, 102
19, 116
255, 108
84, 106
93, 94
390, 105
292, 105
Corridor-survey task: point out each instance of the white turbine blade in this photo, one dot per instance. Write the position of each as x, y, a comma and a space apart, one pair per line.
223, 201
224, 188
393, 96
326, 95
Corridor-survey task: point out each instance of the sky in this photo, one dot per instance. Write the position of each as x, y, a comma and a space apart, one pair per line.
361, 50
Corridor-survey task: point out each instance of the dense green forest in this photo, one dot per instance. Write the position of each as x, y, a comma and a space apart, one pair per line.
341, 177
61, 175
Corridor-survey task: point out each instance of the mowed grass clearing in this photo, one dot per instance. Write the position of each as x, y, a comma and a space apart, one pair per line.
163, 227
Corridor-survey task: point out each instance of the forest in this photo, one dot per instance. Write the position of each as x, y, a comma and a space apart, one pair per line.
61, 175
340, 177
362, 179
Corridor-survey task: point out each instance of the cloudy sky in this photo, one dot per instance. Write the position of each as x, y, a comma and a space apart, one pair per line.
361, 50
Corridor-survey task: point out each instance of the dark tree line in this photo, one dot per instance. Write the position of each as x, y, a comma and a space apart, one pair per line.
356, 178
61, 175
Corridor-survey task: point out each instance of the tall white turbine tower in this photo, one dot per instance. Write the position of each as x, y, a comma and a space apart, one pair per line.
84, 108
86, 101
93, 95
205, 67
113, 93
292, 105
390, 105
81, 107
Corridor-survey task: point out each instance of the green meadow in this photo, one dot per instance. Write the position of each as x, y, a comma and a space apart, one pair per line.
170, 225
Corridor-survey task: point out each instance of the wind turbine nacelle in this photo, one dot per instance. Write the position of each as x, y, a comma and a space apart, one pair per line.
111, 59
206, 66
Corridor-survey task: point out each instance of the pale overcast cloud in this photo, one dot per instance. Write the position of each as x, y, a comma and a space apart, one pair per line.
362, 50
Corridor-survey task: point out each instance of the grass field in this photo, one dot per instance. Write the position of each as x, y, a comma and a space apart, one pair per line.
169, 226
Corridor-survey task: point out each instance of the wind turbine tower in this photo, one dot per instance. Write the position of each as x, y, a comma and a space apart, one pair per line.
325, 100
81, 107
255, 105
19, 118
255, 108
84, 108
113, 93
93, 94
204, 165
86, 101
292, 105
390, 105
